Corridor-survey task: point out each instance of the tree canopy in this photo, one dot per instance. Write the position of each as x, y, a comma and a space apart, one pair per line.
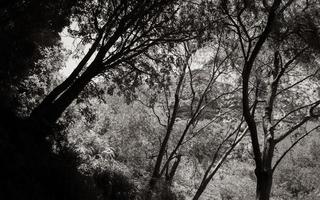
169, 99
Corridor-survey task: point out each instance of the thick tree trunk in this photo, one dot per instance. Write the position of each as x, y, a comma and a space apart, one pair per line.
156, 178
264, 174
50, 112
60, 89
151, 187
69, 95
264, 184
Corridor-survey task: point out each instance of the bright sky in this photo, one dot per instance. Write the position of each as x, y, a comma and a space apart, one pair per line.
70, 44
201, 57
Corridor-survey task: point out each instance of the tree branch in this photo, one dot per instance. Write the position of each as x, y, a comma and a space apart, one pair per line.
292, 145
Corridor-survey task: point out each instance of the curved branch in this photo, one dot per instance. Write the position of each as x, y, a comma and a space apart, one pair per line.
245, 82
295, 143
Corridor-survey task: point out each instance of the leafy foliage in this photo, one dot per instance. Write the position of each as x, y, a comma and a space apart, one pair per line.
162, 98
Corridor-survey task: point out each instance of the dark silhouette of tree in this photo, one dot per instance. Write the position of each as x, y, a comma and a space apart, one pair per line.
218, 160
190, 95
278, 37
273, 44
122, 30
25, 28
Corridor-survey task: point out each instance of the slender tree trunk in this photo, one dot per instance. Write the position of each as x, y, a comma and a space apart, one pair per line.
208, 176
201, 189
157, 172
173, 170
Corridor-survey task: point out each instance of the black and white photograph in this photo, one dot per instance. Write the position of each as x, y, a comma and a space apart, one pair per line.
160, 99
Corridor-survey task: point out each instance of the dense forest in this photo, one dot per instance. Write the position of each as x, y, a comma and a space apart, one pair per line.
160, 99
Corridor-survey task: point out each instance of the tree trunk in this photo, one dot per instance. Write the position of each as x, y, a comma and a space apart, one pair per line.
51, 112
264, 174
173, 170
200, 190
60, 89
157, 172
264, 184
151, 187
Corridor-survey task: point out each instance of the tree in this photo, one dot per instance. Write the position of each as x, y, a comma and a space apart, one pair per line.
27, 27
264, 53
191, 101
266, 77
38, 81
235, 135
122, 31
